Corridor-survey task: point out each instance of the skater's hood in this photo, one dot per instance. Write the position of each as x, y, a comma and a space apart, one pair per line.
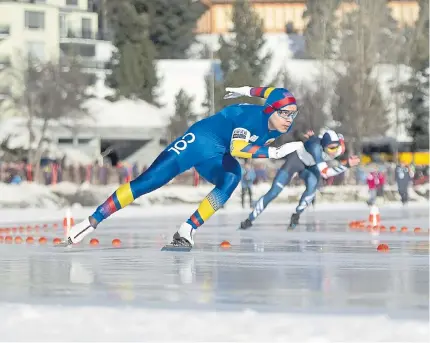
278, 99
330, 137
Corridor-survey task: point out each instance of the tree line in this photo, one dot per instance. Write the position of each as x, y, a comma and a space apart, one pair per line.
147, 30
360, 42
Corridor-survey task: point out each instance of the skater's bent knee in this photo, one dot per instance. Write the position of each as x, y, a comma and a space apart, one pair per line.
229, 182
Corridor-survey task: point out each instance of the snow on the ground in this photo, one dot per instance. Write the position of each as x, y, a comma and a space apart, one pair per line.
30, 195
48, 323
18, 216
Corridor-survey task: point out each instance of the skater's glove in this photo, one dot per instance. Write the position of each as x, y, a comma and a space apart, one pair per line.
236, 92
284, 150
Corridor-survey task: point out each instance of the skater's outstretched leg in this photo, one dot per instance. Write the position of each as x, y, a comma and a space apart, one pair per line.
162, 170
292, 165
158, 174
311, 177
283, 178
225, 173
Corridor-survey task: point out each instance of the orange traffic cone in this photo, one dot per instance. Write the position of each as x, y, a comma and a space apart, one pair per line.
374, 216
68, 221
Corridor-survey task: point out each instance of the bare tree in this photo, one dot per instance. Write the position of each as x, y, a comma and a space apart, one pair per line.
47, 92
311, 102
358, 105
320, 32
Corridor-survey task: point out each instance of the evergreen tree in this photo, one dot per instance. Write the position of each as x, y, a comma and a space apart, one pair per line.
133, 65
242, 60
172, 24
320, 31
417, 88
184, 115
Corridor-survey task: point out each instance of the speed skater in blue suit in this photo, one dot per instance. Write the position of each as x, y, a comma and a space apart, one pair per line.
309, 161
210, 146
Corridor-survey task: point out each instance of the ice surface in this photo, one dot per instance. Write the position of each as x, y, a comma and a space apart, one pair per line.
322, 282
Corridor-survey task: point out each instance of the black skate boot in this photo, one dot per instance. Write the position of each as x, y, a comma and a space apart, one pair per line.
246, 224
178, 244
294, 221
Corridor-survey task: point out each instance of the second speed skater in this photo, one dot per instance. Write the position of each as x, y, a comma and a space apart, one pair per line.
310, 162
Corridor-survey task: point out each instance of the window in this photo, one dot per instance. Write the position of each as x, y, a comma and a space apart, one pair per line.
34, 20
87, 50
86, 28
63, 25
65, 141
72, 2
36, 50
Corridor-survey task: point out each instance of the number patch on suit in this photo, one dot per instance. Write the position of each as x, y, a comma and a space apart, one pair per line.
241, 134
182, 144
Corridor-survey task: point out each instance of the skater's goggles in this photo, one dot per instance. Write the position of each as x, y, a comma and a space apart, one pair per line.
332, 148
288, 113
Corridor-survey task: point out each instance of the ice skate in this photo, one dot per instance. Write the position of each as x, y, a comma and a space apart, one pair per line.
246, 224
182, 239
294, 221
78, 232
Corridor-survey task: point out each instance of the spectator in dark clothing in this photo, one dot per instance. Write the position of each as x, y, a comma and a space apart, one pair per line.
403, 178
248, 178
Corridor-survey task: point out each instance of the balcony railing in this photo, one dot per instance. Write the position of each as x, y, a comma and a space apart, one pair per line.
87, 63
80, 34
105, 35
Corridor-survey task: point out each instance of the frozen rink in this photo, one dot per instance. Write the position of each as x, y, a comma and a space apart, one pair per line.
323, 282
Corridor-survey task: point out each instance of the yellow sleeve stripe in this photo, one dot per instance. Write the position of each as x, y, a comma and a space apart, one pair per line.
124, 195
268, 91
236, 149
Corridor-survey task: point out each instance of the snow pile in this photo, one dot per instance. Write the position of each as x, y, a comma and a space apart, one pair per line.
122, 324
124, 113
65, 193
28, 195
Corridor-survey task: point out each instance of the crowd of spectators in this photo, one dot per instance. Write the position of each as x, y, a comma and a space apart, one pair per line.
55, 171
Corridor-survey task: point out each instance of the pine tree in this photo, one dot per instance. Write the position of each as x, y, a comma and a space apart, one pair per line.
184, 115
172, 24
417, 88
242, 60
320, 31
134, 72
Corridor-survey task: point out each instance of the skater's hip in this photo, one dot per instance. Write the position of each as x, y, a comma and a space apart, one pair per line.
194, 147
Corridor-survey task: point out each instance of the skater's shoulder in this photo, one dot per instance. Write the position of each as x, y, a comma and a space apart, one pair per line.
238, 109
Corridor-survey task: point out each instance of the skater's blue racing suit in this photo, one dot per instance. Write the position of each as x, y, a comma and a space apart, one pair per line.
210, 146
310, 162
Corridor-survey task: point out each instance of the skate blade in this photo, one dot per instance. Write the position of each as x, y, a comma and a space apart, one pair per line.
169, 247
62, 244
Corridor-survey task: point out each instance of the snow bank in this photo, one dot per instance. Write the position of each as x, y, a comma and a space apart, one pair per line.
29, 195
49, 323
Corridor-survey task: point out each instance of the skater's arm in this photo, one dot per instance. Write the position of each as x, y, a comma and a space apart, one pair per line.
260, 92
327, 171
243, 149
